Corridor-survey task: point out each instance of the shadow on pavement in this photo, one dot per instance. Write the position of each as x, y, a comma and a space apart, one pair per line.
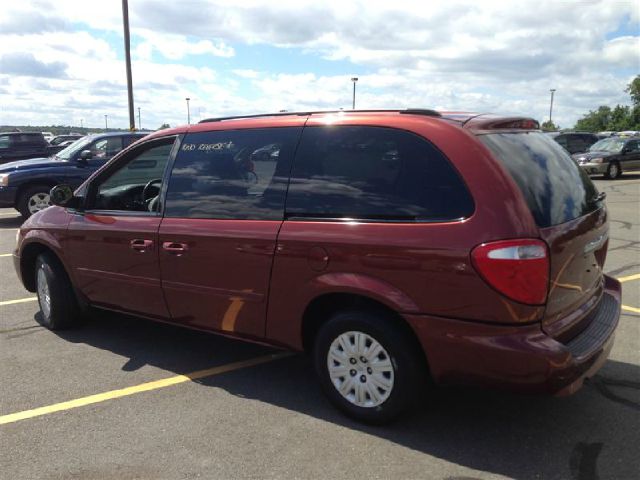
9, 221
593, 434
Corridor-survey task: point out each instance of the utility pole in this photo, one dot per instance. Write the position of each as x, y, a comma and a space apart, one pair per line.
106, 127
553, 90
354, 80
139, 121
188, 112
127, 54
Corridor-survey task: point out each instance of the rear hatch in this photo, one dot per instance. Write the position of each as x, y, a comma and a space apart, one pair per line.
571, 218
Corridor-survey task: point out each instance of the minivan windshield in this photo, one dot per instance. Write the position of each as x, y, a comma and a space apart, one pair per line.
613, 145
66, 154
555, 188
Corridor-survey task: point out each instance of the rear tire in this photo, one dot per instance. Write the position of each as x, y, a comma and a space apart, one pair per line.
58, 305
368, 366
33, 199
613, 171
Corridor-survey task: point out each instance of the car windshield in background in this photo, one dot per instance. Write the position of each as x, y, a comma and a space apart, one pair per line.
72, 149
554, 187
613, 145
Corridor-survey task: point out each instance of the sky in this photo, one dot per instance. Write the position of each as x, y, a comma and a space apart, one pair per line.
62, 62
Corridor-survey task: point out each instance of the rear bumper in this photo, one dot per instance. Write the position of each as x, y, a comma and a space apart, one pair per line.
8, 196
521, 358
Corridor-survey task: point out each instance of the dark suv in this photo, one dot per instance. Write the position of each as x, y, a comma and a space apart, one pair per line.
19, 145
575, 142
394, 246
25, 185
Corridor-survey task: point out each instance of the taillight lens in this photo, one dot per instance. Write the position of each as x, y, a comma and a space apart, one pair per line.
518, 269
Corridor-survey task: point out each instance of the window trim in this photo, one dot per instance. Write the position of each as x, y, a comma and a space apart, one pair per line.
124, 156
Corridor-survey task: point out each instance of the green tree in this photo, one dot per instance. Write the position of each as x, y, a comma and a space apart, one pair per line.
596, 120
633, 89
164, 125
549, 126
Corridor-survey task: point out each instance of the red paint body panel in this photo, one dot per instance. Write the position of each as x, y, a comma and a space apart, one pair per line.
412, 268
222, 281
108, 271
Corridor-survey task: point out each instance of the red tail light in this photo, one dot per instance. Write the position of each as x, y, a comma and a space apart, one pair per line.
518, 269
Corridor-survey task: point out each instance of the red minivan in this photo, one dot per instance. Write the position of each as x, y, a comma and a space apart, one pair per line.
396, 247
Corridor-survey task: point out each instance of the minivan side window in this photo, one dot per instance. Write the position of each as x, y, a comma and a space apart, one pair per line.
374, 173
232, 174
135, 184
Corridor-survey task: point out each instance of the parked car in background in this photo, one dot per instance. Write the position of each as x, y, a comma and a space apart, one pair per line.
63, 138
25, 185
574, 142
393, 246
47, 136
611, 156
20, 145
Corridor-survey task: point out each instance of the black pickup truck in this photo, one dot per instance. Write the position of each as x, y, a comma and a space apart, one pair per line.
25, 184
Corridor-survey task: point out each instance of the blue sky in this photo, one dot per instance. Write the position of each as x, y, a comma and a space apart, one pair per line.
62, 61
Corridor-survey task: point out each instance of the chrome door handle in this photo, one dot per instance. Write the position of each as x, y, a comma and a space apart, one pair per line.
141, 245
175, 247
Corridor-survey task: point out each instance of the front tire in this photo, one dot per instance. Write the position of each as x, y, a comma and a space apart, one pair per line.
33, 199
613, 171
58, 304
368, 366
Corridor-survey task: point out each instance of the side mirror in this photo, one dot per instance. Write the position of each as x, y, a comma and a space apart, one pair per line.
61, 195
85, 155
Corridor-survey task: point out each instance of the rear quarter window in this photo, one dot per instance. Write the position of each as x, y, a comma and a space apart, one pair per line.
374, 173
555, 188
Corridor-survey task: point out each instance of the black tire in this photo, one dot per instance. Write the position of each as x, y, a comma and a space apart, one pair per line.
63, 311
23, 201
409, 369
613, 171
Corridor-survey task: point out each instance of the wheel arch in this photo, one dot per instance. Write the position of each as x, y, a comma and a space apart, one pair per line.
28, 257
321, 308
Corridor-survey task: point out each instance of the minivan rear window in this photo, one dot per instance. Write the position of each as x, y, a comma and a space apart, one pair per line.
555, 188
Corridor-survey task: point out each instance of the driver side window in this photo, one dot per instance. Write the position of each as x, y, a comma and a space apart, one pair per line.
135, 184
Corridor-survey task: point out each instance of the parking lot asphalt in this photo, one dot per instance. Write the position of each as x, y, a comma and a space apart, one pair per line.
255, 413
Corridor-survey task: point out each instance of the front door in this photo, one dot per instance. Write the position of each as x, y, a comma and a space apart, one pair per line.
223, 210
113, 243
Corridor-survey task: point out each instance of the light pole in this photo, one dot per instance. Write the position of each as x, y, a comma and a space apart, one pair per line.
552, 90
354, 80
188, 112
81, 120
127, 55
106, 126
139, 121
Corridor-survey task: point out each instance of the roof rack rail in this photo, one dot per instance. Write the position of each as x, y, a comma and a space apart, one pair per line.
413, 111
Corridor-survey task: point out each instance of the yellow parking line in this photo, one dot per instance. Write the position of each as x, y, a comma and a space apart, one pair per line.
630, 309
20, 300
5, 214
143, 387
5, 254
629, 278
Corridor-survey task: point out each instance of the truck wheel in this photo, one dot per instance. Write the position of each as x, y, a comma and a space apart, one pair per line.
58, 305
33, 199
368, 367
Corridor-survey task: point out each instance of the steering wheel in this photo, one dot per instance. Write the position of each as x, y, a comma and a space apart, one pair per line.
147, 199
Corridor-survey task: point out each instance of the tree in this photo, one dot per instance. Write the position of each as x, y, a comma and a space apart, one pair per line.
621, 117
633, 89
549, 126
164, 125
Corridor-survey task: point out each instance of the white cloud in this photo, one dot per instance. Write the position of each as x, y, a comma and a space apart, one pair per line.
469, 55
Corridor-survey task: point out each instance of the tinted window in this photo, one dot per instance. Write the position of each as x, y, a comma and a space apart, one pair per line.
374, 173
633, 146
234, 174
553, 185
4, 141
